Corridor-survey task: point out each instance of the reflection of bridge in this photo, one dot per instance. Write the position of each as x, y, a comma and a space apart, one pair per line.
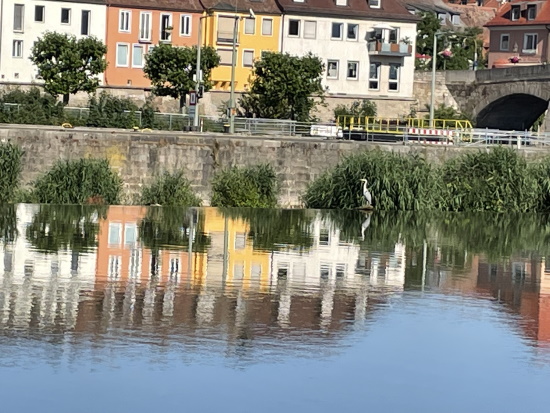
509, 98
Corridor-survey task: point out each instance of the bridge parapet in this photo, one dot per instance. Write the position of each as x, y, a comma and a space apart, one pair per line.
512, 73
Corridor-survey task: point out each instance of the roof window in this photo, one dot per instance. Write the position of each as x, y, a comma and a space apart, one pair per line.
515, 13
531, 11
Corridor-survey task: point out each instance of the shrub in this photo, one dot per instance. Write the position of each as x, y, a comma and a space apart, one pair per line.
359, 108
112, 112
397, 182
499, 181
170, 189
253, 186
10, 168
79, 182
30, 107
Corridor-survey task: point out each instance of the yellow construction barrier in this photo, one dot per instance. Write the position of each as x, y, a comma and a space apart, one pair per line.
400, 126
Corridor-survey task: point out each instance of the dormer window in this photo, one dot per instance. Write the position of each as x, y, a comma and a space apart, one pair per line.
531, 11
374, 4
342, 3
515, 13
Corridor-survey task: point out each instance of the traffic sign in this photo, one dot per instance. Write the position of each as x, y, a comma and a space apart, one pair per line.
192, 98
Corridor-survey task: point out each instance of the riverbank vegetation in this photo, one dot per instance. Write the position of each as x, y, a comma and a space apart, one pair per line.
170, 189
10, 168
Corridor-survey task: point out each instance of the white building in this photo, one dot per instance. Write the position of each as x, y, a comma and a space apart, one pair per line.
38, 286
22, 22
367, 45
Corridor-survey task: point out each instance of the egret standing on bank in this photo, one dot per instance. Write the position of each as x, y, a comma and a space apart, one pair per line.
366, 192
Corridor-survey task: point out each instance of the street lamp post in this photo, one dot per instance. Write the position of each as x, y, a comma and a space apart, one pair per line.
432, 97
198, 74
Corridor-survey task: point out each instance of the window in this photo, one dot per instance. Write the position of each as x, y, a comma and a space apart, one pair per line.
332, 69
394, 35
530, 43
240, 241
336, 32
249, 26
531, 11
124, 21
394, 77
324, 237
248, 58
504, 42
310, 29
18, 12
353, 31
122, 54
267, 27
185, 25
515, 12
375, 4
294, 28
145, 26
85, 23
442, 17
39, 14
374, 76
66, 16
165, 27
137, 55
342, 2
17, 48
114, 233
226, 26
226, 56
130, 230
455, 19
114, 267
353, 72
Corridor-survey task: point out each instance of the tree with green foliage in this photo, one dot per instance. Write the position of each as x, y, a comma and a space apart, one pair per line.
284, 87
252, 186
171, 69
359, 108
82, 181
426, 29
171, 190
10, 168
69, 65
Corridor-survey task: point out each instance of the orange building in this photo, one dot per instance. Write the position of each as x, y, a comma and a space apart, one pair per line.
134, 27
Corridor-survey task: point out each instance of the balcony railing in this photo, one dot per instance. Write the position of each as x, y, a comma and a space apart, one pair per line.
377, 47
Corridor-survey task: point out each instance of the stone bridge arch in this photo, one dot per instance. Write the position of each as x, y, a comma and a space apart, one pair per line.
512, 105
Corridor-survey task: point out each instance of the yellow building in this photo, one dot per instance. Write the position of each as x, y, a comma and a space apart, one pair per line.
230, 243
254, 36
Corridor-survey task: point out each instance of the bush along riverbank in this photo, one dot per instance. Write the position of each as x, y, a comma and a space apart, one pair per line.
498, 181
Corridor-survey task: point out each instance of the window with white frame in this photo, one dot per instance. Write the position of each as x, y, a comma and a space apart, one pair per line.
240, 241
145, 26
336, 32
248, 58
353, 71
138, 52
455, 19
332, 69
530, 43
267, 27
353, 31
310, 29
249, 26
124, 21
165, 27
515, 12
393, 79
18, 14
294, 28
114, 267
115, 229
39, 14
375, 4
226, 56
394, 35
342, 3
130, 230
226, 26
504, 42
85, 22
185, 25
374, 76
122, 50
66, 16
17, 48
531, 11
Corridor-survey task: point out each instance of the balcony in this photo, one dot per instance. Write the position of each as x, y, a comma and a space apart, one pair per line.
376, 47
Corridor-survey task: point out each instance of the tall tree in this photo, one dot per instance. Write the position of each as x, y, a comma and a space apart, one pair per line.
171, 69
69, 65
284, 87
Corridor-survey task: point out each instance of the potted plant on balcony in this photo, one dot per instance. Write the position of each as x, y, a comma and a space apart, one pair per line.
404, 44
514, 59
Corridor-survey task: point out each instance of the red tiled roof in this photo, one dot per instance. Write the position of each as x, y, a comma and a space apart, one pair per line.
243, 6
503, 17
390, 10
173, 5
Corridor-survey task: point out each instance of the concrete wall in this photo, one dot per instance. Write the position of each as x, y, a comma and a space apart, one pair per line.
140, 157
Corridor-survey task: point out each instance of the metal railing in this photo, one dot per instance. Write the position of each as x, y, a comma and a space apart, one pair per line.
396, 125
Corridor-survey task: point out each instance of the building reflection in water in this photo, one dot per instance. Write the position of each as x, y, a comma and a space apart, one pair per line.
201, 271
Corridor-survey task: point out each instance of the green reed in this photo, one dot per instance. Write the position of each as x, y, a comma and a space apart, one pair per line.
170, 189
10, 168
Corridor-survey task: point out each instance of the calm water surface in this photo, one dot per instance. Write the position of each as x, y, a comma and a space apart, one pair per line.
135, 309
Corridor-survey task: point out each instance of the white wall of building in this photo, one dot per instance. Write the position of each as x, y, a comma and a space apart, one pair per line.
19, 69
352, 51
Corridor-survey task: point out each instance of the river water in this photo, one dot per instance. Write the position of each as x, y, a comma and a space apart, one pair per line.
136, 309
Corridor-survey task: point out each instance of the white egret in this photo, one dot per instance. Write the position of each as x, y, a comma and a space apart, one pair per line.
366, 193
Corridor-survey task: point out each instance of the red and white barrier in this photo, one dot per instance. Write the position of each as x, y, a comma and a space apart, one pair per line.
431, 132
